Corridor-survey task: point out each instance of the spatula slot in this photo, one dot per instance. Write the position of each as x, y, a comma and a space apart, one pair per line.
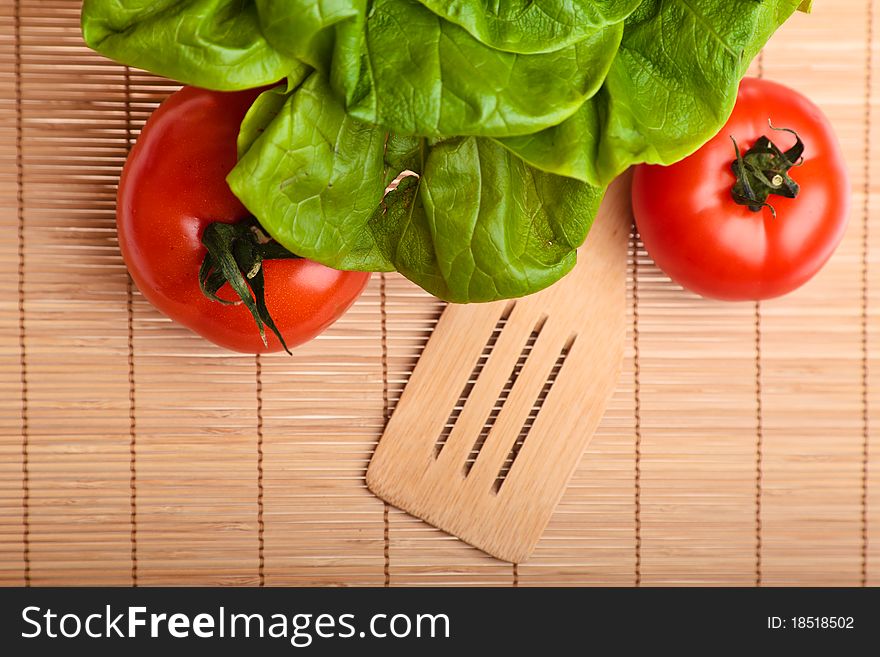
472, 379
504, 394
533, 414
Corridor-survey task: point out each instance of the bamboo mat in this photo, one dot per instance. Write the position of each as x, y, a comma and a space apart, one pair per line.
742, 446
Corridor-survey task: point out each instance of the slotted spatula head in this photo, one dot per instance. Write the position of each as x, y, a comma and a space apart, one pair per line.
505, 398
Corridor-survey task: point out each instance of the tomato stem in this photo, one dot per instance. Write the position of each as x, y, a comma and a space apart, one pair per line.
763, 170
235, 256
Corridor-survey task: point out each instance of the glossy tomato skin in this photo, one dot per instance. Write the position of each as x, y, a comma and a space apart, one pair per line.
173, 185
703, 240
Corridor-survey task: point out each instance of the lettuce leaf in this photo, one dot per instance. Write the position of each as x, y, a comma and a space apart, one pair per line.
328, 35
531, 26
423, 75
216, 44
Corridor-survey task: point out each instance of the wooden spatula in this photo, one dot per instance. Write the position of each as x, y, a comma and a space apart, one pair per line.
505, 398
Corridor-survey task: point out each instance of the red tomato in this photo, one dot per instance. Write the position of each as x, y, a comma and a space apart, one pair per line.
704, 240
174, 185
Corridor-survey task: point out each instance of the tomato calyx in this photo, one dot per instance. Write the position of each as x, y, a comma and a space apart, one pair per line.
763, 170
235, 255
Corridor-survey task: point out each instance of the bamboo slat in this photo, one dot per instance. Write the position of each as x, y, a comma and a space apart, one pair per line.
75, 318
195, 458
812, 340
871, 220
734, 451
322, 413
11, 494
